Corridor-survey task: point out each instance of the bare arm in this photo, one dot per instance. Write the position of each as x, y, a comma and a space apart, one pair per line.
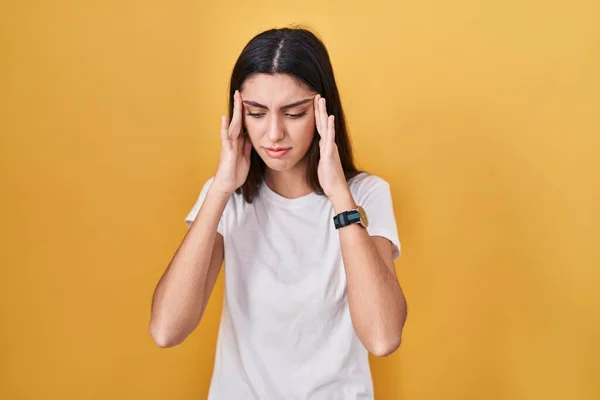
377, 304
184, 289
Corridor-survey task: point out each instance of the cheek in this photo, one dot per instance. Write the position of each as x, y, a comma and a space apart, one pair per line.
302, 132
253, 129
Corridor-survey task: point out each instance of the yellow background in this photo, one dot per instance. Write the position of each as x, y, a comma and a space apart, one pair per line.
483, 115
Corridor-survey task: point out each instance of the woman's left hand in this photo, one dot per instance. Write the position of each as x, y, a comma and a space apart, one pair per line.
330, 171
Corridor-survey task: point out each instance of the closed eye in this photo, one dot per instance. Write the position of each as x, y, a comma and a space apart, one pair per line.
296, 115
256, 115
260, 115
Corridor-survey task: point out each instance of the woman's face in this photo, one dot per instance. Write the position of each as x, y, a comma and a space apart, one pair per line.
279, 118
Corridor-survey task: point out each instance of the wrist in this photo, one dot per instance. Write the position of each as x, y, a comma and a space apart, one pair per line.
215, 192
343, 201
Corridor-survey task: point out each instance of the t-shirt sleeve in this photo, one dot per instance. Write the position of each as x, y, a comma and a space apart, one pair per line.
376, 199
196, 208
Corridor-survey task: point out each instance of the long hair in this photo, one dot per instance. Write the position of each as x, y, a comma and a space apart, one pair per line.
299, 53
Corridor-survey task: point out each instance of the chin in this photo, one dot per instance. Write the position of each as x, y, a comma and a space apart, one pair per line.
279, 165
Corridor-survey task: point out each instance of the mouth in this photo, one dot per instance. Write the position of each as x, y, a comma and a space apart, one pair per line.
277, 152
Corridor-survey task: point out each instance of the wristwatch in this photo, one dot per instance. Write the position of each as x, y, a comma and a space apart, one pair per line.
356, 216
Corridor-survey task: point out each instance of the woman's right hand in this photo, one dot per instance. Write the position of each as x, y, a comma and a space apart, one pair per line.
234, 163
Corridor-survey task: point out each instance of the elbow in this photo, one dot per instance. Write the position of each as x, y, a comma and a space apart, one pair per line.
162, 337
385, 347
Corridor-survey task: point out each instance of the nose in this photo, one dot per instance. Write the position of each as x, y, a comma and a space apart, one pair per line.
275, 131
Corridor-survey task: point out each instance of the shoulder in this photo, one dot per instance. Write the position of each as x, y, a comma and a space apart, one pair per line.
235, 205
364, 182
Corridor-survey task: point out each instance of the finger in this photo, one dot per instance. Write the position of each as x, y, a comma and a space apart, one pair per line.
317, 118
240, 143
327, 135
331, 129
236, 119
224, 130
323, 115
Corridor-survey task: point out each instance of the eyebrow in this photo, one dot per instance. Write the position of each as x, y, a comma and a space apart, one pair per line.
291, 105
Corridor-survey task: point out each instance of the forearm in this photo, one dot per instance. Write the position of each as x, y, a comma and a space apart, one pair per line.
179, 298
377, 304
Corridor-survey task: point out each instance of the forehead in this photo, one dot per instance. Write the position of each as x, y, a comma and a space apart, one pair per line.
275, 89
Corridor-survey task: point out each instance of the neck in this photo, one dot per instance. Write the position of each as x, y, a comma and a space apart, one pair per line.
290, 184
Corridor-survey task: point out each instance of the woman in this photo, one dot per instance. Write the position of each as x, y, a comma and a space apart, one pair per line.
310, 286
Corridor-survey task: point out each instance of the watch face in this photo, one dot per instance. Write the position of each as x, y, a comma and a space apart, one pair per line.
363, 216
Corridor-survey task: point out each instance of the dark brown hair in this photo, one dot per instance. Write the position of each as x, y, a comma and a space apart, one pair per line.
299, 53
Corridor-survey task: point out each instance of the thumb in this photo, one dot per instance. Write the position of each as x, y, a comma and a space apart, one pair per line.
225, 140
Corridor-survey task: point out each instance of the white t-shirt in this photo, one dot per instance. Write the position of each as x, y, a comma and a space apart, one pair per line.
285, 329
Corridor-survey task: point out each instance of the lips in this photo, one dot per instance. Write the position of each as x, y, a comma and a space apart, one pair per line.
277, 152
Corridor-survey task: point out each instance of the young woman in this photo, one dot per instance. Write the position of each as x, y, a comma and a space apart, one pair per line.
310, 285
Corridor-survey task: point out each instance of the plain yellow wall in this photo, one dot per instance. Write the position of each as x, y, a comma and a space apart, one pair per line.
484, 116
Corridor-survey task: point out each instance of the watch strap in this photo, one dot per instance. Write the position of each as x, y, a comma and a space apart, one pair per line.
346, 218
